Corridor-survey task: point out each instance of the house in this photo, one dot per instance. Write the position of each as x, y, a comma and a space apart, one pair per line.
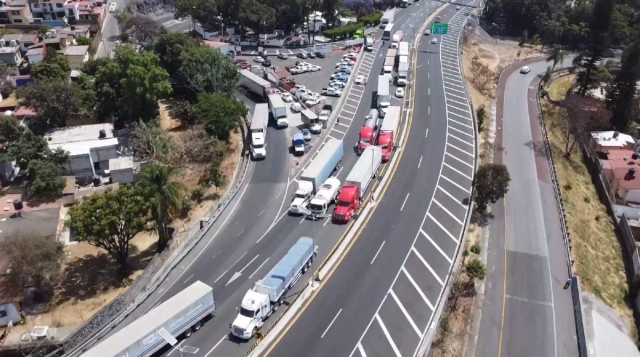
122, 170
10, 54
226, 48
36, 55
77, 56
621, 167
21, 39
15, 12
90, 148
603, 141
48, 10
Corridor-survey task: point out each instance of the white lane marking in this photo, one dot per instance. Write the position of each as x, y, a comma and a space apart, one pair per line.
331, 323
405, 201
530, 301
442, 227
175, 348
341, 132
463, 124
263, 263
453, 89
460, 115
240, 233
249, 263
332, 137
428, 91
428, 75
378, 252
462, 141
459, 149
346, 111
449, 212
215, 255
455, 184
406, 314
302, 220
237, 274
388, 336
187, 279
460, 160
216, 345
327, 220
455, 106
420, 162
261, 213
226, 271
451, 196
428, 110
453, 95
415, 251
426, 133
458, 171
448, 79
436, 246
361, 350
415, 285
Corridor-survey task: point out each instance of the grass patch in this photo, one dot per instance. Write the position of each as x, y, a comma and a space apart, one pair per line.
596, 250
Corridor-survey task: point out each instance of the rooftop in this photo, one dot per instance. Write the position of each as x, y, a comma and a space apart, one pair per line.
76, 50
79, 140
35, 51
121, 163
9, 49
214, 44
619, 162
612, 139
21, 37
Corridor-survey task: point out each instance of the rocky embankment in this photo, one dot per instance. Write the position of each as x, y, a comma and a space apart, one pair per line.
150, 6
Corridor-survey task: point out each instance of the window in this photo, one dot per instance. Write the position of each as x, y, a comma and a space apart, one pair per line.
17, 21
60, 15
96, 165
36, 6
58, 5
15, 13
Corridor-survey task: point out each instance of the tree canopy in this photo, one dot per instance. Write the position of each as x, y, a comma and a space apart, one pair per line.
219, 114
621, 96
54, 66
491, 183
207, 70
44, 179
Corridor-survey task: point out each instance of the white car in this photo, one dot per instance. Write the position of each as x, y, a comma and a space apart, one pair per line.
296, 88
359, 80
287, 97
296, 107
457, 7
525, 70
315, 128
314, 68
258, 59
112, 7
337, 84
296, 70
333, 92
400, 92
283, 56
312, 101
256, 68
309, 95
434, 40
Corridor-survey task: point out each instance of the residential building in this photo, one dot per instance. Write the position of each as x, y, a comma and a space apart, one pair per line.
22, 39
10, 54
77, 56
15, 12
90, 148
36, 55
621, 167
49, 10
603, 141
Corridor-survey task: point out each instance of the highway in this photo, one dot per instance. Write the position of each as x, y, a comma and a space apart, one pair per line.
381, 298
526, 312
254, 232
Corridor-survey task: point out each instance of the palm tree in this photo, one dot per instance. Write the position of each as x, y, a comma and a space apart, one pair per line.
557, 56
164, 195
547, 77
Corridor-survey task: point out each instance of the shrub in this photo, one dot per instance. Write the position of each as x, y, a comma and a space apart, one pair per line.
197, 194
475, 249
475, 269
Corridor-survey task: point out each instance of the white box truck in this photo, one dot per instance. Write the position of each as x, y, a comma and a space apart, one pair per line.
182, 314
403, 74
278, 110
383, 95
265, 297
386, 19
403, 48
258, 131
387, 68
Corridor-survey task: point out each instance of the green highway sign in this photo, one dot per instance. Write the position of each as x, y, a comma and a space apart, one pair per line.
439, 29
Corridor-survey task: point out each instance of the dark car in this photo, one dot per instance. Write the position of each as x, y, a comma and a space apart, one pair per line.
266, 63
302, 55
320, 55
311, 55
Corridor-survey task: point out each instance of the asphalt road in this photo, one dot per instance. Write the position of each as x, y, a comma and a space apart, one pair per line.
380, 299
254, 232
532, 315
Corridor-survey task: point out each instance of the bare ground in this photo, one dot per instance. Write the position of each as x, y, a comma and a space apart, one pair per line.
92, 279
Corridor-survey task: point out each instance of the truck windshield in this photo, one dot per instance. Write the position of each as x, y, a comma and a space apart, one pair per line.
247, 313
258, 146
301, 195
343, 204
315, 207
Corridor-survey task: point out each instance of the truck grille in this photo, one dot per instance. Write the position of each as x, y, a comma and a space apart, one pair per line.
339, 217
238, 331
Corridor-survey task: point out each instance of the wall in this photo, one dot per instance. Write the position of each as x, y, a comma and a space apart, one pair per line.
104, 154
632, 196
122, 176
79, 165
76, 62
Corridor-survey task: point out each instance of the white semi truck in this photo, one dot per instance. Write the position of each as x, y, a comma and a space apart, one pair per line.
386, 19
265, 297
255, 83
258, 130
383, 95
278, 110
182, 314
325, 196
403, 74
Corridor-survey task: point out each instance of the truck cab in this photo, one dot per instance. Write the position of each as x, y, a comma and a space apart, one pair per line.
385, 141
258, 146
347, 204
325, 196
298, 144
368, 131
301, 197
253, 311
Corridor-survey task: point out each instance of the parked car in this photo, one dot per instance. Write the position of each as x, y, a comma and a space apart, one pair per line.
297, 70
302, 93
339, 76
320, 55
457, 7
332, 92
311, 55
315, 128
287, 97
337, 84
312, 101
400, 92
344, 70
306, 134
296, 88
266, 63
302, 55
314, 68
283, 56
258, 59
525, 70
359, 80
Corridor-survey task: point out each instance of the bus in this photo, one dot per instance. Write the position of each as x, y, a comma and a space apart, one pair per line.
386, 35
396, 38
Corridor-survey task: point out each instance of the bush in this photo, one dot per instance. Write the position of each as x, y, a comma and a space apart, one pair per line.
197, 194
475, 269
343, 31
475, 249
372, 19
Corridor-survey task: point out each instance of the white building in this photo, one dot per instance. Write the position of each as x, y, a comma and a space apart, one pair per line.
90, 148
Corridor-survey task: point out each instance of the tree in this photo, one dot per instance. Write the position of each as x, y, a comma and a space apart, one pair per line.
164, 195
27, 148
481, 116
52, 67
110, 220
491, 183
556, 55
44, 179
149, 143
475, 270
169, 46
205, 69
142, 28
622, 93
582, 115
184, 112
524, 38
547, 76
54, 100
220, 114
360, 7
329, 10
598, 39
256, 15
34, 261
84, 41
203, 11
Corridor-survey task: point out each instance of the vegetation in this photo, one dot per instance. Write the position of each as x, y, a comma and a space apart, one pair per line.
54, 66
110, 220
622, 94
44, 179
491, 183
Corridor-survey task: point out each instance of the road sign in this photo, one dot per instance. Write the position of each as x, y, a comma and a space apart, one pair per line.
439, 29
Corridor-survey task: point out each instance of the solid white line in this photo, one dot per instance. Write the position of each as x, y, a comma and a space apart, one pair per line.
252, 274
221, 275
442, 227
446, 64
415, 285
462, 141
378, 252
456, 105
388, 336
249, 263
345, 125
341, 132
344, 110
455, 158
175, 348
456, 200
463, 124
454, 95
420, 162
455, 90
426, 133
415, 251
405, 201
214, 347
449, 212
187, 279
331, 323
462, 151
351, 105
406, 314
449, 80
452, 72
302, 220
361, 350
436, 246
455, 184
339, 171
242, 256
458, 171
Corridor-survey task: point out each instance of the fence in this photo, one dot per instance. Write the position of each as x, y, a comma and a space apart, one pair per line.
154, 274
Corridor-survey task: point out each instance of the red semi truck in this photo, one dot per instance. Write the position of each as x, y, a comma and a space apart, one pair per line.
388, 131
356, 184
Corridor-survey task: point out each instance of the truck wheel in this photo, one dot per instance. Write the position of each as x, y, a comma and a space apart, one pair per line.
304, 269
188, 333
309, 262
274, 308
280, 301
197, 326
